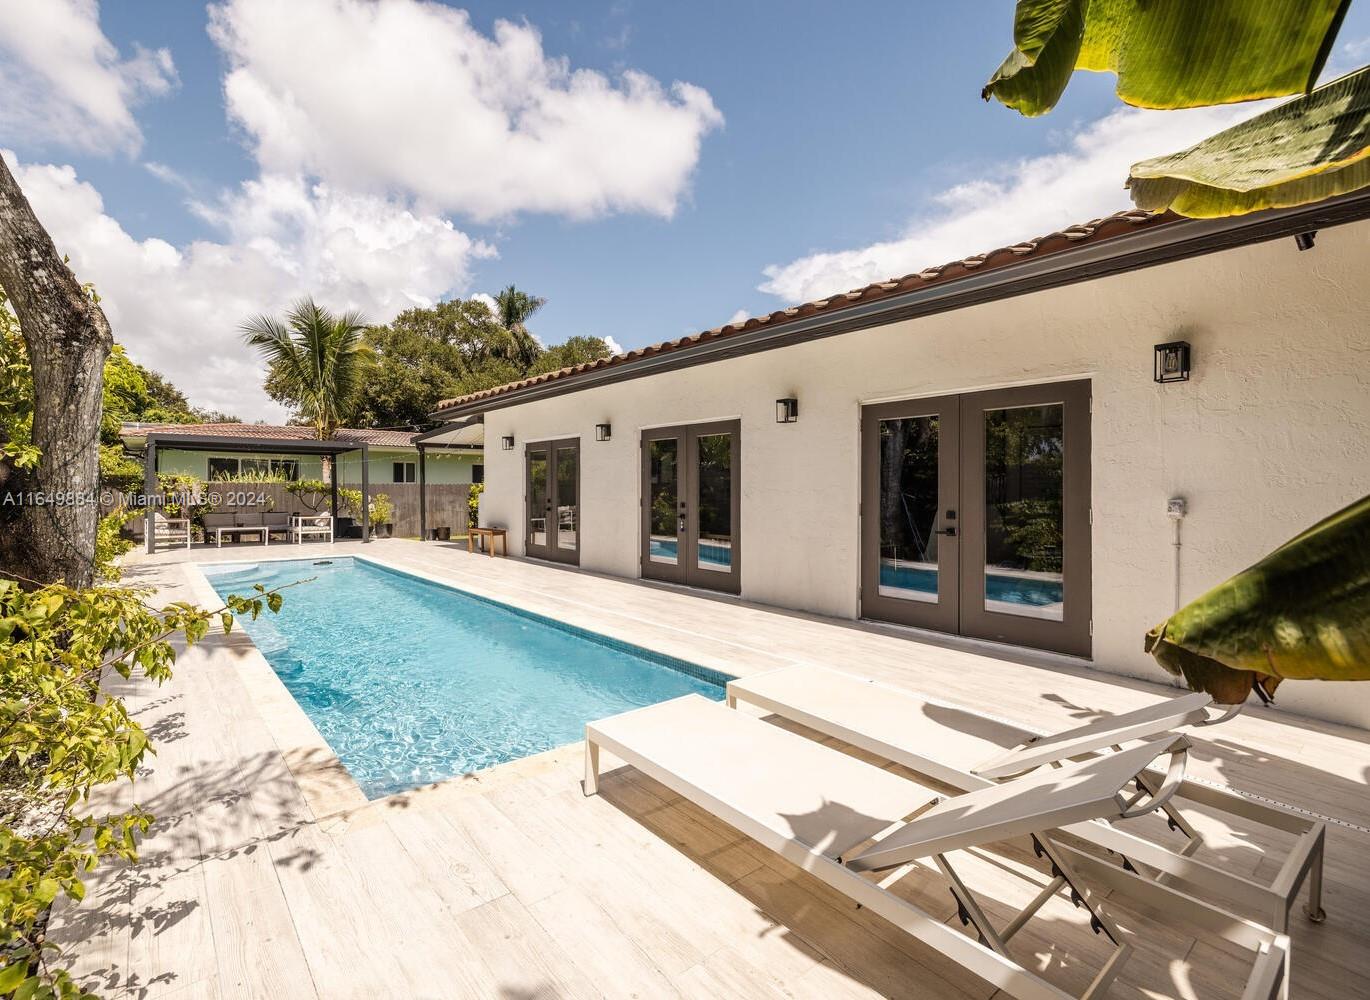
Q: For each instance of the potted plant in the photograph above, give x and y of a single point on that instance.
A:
(382, 513)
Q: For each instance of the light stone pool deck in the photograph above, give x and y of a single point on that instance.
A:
(268, 874)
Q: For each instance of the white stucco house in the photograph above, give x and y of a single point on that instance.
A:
(1049, 445)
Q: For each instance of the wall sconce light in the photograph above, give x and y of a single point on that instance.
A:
(786, 410)
(507, 442)
(1172, 362)
(1304, 241)
(602, 432)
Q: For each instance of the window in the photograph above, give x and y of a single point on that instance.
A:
(231, 468)
(405, 473)
(477, 473)
(222, 468)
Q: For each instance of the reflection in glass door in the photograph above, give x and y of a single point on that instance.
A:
(538, 502)
(552, 491)
(690, 505)
(975, 515)
(1025, 481)
(567, 499)
(909, 502)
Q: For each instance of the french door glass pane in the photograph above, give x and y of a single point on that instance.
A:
(537, 498)
(665, 493)
(908, 508)
(715, 548)
(568, 508)
(1024, 511)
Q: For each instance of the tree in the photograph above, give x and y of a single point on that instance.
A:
(1175, 54)
(317, 362)
(426, 355)
(575, 351)
(421, 357)
(1167, 53)
(67, 338)
(1302, 151)
(1301, 613)
(515, 309)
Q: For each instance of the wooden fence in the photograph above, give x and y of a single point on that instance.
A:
(446, 503)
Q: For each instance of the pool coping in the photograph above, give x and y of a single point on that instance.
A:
(326, 785)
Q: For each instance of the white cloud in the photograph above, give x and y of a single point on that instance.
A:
(177, 309)
(738, 317)
(489, 301)
(167, 175)
(64, 83)
(614, 346)
(408, 96)
(1028, 198)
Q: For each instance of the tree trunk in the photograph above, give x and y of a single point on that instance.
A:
(68, 339)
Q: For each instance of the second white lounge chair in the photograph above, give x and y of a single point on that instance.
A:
(844, 820)
(966, 750)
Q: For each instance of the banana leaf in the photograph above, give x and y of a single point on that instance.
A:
(1167, 53)
(1305, 150)
(1301, 613)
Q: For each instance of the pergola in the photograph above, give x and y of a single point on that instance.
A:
(458, 435)
(274, 446)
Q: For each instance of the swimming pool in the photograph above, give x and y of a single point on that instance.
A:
(411, 682)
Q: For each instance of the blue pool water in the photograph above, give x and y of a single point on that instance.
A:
(1010, 589)
(411, 682)
(715, 555)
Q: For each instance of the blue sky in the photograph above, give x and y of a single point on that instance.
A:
(817, 146)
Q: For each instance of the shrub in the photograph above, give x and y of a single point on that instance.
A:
(473, 504)
(191, 502)
(60, 737)
(110, 544)
(313, 493)
(382, 510)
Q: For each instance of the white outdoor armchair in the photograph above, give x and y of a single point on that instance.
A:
(172, 530)
(312, 526)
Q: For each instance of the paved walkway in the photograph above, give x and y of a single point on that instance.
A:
(269, 875)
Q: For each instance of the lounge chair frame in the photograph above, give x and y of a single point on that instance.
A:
(1270, 904)
(311, 525)
(170, 529)
(987, 957)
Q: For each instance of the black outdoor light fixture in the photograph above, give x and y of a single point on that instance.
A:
(1304, 241)
(786, 410)
(507, 442)
(602, 432)
(1172, 362)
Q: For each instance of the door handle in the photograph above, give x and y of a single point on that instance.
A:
(949, 532)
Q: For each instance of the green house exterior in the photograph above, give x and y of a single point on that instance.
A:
(391, 460)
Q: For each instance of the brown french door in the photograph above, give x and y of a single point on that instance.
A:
(690, 505)
(975, 515)
(552, 500)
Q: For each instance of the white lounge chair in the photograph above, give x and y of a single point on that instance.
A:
(844, 820)
(311, 526)
(966, 750)
(171, 530)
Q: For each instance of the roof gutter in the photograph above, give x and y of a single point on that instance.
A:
(1162, 243)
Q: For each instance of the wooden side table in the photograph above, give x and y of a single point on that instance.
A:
(488, 538)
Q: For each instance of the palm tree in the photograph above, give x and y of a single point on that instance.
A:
(315, 360)
(515, 308)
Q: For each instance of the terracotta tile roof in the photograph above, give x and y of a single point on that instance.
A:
(1089, 232)
(274, 432)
